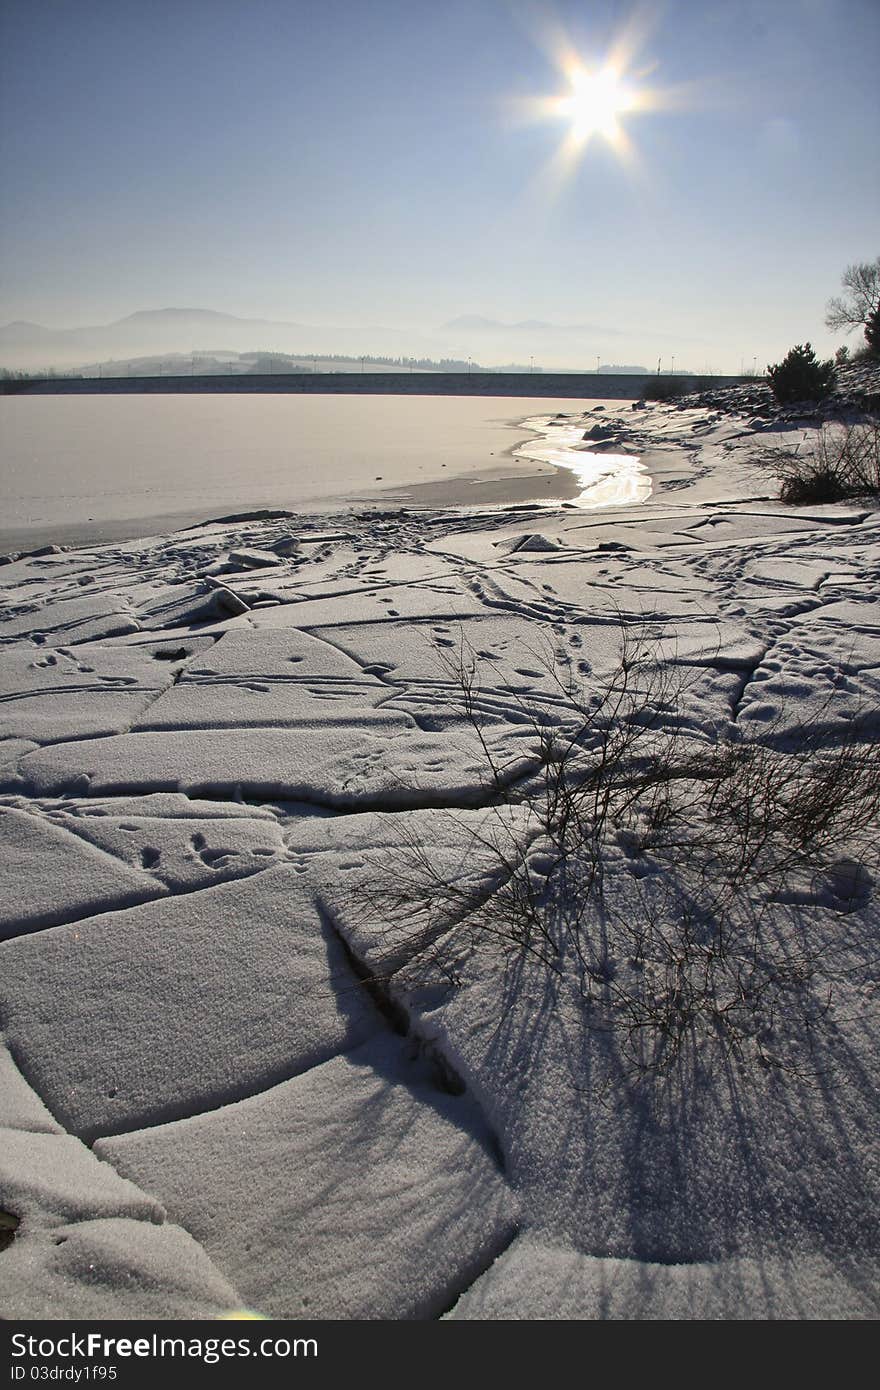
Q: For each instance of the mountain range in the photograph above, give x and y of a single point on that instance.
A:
(31, 346)
(150, 330)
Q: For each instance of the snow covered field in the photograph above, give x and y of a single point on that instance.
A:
(245, 767)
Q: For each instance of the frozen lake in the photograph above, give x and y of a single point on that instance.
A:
(84, 468)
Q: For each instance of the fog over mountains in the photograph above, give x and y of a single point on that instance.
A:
(144, 332)
(491, 342)
(475, 323)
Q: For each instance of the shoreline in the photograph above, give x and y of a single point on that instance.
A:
(526, 476)
(457, 494)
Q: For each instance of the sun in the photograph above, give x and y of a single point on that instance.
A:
(602, 95)
(595, 102)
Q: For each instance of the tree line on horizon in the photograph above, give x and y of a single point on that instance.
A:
(270, 363)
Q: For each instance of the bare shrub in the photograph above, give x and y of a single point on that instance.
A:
(645, 865)
(839, 462)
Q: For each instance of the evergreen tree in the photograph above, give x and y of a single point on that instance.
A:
(800, 376)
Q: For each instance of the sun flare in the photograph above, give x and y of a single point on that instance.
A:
(594, 104)
(601, 98)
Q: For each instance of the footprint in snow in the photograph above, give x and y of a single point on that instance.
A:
(211, 857)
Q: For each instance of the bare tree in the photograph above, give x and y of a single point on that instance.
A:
(862, 285)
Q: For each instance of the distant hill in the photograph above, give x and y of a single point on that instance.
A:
(187, 332)
(190, 331)
(149, 332)
(181, 315)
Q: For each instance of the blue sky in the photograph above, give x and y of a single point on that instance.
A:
(356, 164)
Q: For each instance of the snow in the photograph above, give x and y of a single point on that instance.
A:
(382, 756)
(89, 1244)
(68, 620)
(240, 767)
(533, 1280)
(113, 1268)
(390, 1203)
(754, 1165)
(184, 851)
(21, 1106)
(50, 1178)
(228, 989)
(261, 677)
(46, 877)
(72, 692)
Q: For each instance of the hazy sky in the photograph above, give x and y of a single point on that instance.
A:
(365, 162)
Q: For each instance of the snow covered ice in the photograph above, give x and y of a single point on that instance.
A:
(217, 749)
